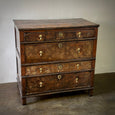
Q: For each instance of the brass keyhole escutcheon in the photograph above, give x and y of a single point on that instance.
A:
(41, 53)
(79, 34)
(41, 83)
(60, 45)
(59, 77)
(40, 36)
(61, 34)
(76, 79)
(88, 34)
(78, 50)
(60, 67)
(77, 66)
(41, 70)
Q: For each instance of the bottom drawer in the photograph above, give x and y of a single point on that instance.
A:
(57, 82)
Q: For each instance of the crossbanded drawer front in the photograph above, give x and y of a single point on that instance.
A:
(45, 52)
(55, 68)
(65, 34)
(57, 82)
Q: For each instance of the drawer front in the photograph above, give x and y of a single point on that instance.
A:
(61, 67)
(57, 51)
(57, 82)
(64, 34)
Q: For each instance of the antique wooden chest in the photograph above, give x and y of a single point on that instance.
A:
(55, 56)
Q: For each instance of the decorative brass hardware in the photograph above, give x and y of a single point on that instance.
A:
(41, 70)
(60, 66)
(77, 66)
(41, 83)
(76, 80)
(40, 36)
(60, 45)
(79, 34)
(59, 77)
(88, 34)
(78, 50)
(41, 53)
(60, 34)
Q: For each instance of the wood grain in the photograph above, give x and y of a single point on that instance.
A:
(53, 23)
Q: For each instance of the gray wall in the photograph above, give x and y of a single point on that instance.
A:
(99, 11)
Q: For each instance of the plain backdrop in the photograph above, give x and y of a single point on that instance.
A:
(99, 11)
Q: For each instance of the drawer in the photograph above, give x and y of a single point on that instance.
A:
(55, 68)
(45, 52)
(65, 34)
(57, 82)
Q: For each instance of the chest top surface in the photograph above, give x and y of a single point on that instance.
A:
(53, 23)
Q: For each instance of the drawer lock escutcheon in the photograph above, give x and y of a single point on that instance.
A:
(60, 34)
(60, 66)
(59, 77)
(41, 83)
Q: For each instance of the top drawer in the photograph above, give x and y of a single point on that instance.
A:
(58, 34)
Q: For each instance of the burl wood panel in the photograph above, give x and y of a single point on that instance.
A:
(51, 83)
(57, 51)
(60, 67)
(58, 34)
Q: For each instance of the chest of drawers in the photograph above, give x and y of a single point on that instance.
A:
(55, 56)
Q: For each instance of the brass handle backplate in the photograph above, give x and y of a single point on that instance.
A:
(60, 45)
(59, 77)
(77, 66)
(41, 70)
(41, 83)
(79, 34)
(78, 50)
(41, 53)
(40, 36)
(76, 79)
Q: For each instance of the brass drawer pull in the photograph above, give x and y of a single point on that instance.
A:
(78, 50)
(41, 70)
(77, 66)
(41, 53)
(59, 77)
(41, 83)
(40, 36)
(76, 79)
(60, 45)
(79, 34)
(60, 66)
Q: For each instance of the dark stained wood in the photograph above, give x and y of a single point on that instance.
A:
(54, 23)
(55, 56)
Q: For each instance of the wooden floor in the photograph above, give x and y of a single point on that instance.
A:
(75, 103)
